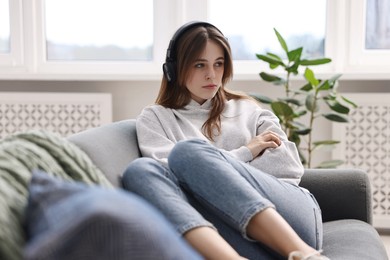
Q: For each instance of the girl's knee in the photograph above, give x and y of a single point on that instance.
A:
(140, 165)
(190, 144)
(187, 149)
(137, 169)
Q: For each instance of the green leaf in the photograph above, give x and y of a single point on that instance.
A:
(336, 118)
(349, 102)
(307, 87)
(326, 142)
(276, 57)
(282, 110)
(324, 85)
(304, 131)
(281, 41)
(311, 103)
(315, 62)
(299, 128)
(270, 60)
(300, 113)
(337, 107)
(295, 138)
(309, 76)
(293, 68)
(292, 101)
(332, 96)
(270, 77)
(262, 99)
(330, 164)
(295, 55)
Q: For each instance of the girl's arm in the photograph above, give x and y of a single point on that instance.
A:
(282, 160)
(153, 140)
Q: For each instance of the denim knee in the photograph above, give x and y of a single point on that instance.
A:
(187, 150)
(139, 165)
(137, 170)
(147, 177)
(186, 145)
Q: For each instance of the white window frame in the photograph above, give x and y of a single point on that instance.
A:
(14, 59)
(360, 60)
(27, 59)
(108, 69)
(250, 69)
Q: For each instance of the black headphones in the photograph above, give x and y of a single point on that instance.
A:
(169, 67)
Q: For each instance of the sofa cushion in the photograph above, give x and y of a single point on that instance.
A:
(19, 155)
(351, 239)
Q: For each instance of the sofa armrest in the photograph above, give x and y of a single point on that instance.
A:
(341, 193)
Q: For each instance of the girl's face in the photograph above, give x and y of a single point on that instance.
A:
(206, 73)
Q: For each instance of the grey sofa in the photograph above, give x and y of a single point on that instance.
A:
(344, 195)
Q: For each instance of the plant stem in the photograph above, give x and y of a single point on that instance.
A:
(311, 122)
(287, 129)
(287, 85)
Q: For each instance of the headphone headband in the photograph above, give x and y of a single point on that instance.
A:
(169, 67)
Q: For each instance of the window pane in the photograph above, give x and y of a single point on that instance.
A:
(248, 24)
(99, 29)
(4, 27)
(378, 24)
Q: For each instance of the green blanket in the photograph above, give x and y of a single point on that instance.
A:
(19, 155)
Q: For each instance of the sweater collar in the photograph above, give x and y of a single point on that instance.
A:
(195, 105)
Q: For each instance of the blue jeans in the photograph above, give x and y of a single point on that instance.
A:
(204, 185)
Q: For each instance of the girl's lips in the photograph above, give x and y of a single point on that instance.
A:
(210, 86)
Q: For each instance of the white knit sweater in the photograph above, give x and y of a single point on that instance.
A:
(160, 128)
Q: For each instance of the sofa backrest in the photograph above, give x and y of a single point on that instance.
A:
(111, 147)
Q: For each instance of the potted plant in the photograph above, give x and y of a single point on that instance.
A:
(301, 106)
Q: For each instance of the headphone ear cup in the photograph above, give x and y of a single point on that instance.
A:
(169, 69)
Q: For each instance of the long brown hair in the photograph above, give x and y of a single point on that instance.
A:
(175, 94)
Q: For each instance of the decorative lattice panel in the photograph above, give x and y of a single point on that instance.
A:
(365, 144)
(63, 113)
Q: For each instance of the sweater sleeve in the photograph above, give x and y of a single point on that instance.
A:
(242, 153)
(152, 138)
(282, 162)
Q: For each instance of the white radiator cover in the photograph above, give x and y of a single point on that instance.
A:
(63, 113)
(365, 144)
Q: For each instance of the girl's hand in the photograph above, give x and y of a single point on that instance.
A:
(263, 141)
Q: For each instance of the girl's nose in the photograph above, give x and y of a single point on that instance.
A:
(210, 73)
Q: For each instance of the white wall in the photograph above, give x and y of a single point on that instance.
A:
(128, 98)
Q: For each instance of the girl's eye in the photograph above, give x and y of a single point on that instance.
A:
(219, 64)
